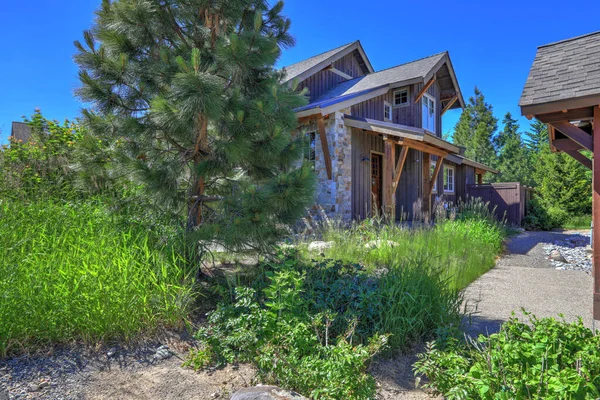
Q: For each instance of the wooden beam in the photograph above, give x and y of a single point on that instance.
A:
(450, 103)
(436, 172)
(424, 90)
(388, 178)
(583, 160)
(596, 215)
(480, 179)
(426, 174)
(400, 166)
(424, 148)
(570, 115)
(339, 73)
(566, 145)
(325, 146)
(575, 134)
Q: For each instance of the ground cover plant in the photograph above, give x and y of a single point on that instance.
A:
(79, 271)
(544, 358)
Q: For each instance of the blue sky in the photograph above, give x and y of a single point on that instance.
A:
(491, 43)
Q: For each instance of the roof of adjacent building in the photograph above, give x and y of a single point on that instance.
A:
(564, 70)
(20, 131)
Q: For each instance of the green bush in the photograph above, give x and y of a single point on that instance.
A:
(537, 217)
(74, 271)
(544, 358)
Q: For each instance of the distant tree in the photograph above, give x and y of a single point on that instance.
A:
(189, 91)
(512, 155)
(475, 130)
(537, 137)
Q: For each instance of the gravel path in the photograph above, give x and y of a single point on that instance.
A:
(525, 277)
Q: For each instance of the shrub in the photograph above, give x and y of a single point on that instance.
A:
(72, 271)
(537, 217)
(543, 359)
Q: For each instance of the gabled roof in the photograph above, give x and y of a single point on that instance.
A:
(377, 83)
(564, 70)
(303, 69)
(20, 131)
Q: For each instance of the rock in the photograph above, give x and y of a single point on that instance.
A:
(320, 246)
(36, 387)
(162, 353)
(110, 353)
(375, 244)
(266, 393)
(556, 256)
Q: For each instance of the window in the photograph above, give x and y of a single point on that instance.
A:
(387, 111)
(428, 112)
(401, 97)
(434, 189)
(448, 179)
(309, 153)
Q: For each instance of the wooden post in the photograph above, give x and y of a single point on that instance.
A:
(325, 146)
(426, 172)
(596, 213)
(480, 179)
(388, 177)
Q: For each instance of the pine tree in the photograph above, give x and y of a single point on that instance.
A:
(537, 137)
(188, 93)
(475, 130)
(512, 154)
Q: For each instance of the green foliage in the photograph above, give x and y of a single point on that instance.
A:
(513, 158)
(544, 358)
(188, 96)
(577, 222)
(75, 271)
(278, 330)
(536, 139)
(40, 166)
(537, 217)
(475, 130)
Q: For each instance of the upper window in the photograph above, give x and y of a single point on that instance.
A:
(310, 153)
(387, 111)
(428, 107)
(401, 97)
(448, 179)
(434, 189)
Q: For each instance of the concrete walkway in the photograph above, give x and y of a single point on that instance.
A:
(525, 278)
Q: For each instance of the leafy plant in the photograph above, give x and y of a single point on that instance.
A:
(544, 358)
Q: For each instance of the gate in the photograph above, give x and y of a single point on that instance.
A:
(508, 200)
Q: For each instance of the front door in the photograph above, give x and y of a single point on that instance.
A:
(376, 182)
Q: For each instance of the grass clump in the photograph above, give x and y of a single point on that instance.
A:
(72, 271)
(542, 359)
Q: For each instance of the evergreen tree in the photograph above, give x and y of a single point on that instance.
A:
(512, 155)
(475, 130)
(187, 92)
(537, 137)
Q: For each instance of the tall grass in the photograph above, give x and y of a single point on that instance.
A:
(577, 222)
(76, 271)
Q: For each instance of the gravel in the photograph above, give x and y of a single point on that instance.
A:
(572, 253)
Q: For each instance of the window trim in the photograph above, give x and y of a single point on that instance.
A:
(432, 99)
(432, 168)
(450, 167)
(404, 89)
(391, 116)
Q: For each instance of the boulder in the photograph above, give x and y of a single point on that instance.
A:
(320, 246)
(266, 393)
(379, 243)
(556, 256)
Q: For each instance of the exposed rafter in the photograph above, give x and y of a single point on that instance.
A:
(575, 134)
(424, 90)
(400, 165)
(338, 72)
(450, 103)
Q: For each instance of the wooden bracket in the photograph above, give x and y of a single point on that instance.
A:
(575, 134)
(450, 103)
(388, 177)
(583, 160)
(424, 90)
(338, 72)
(325, 146)
(436, 172)
(425, 148)
(400, 165)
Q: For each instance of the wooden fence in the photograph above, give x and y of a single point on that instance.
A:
(508, 200)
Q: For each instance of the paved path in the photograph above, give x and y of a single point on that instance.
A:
(525, 278)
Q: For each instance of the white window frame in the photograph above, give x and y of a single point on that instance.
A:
(407, 90)
(450, 168)
(432, 169)
(430, 101)
(390, 115)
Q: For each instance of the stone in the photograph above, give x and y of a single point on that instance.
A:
(266, 393)
(373, 244)
(162, 353)
(556, 256)
(320, 246)
(110, 353)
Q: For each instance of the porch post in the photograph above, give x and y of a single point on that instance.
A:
(389, 205)
(426, 172)
(480, 179)
(596, 212)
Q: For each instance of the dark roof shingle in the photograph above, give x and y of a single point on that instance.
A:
(292, 71)
(564, 70)
(20, 131)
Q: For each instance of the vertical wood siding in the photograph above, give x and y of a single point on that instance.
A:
(362, 145)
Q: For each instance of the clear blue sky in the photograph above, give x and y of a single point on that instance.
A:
(491, 43)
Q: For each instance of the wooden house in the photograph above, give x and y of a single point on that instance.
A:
(376, 136)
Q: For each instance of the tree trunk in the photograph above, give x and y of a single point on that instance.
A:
(195, 216)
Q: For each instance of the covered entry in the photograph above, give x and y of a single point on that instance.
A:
(563, 91)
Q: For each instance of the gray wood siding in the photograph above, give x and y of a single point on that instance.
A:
(323, 81)
(362, 145)
(410, 186)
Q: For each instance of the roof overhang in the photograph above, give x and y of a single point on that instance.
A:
(459, 160)
(338, 103)
(530, 110)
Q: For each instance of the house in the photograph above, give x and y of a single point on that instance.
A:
(563, 91)
(20, 132)
(376, 136)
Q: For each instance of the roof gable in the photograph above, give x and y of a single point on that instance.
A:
(564, 70)
(305, 68)
(20, 131)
